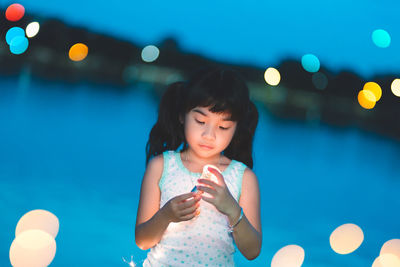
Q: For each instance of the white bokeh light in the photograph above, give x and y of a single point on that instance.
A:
(272, 76)
(396, 87)
(150, 53)
(32, 29)
(38, 219)
(346, 238)
(288, 256)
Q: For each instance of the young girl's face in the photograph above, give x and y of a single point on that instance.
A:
(208, 133)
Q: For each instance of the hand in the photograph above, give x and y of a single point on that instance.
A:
(183, 207)
(221, 197)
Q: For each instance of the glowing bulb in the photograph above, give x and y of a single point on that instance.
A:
(310, 63)
(32, 248)
(381, 38)
(78, 52)
(288, 256)
(32, 29)
(346, 238)
(373, 88)
(272, 76)
(396, 87)
(150, 53)
(15, 12)
(38, 219)
(386, 260)
(366, 99)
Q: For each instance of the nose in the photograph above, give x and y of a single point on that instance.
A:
(209, 133)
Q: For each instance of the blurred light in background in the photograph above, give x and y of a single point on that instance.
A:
(272, 76)
(366, 99)
(15, 12)
(38, 219)
(386, 260)
(373, 88)
(288, 256)
(381, 38)
(150, 53)
(19, 45)
(32, 29)
(32, 248)
(310, 63)
(391, 247)
(78, 52)
(346, 238)
(396, 87)
(14, 32)
(320, 80)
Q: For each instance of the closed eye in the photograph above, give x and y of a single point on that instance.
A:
(223, 128)
(199, 122)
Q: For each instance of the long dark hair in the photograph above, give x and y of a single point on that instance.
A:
(223, 91)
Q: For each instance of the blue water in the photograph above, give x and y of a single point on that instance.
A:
(78, 151)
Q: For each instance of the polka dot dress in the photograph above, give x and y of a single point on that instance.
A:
(203, 240)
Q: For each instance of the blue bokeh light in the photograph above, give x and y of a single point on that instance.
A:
(14, 32)
(381, 38)
(19, 45)
(310, 63)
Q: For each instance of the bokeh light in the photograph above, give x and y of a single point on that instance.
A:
(386, 260)
(32, 248)
(150, 53)
(320, 80)
(272, 76)
(14, 32)
(38, 219)
(381, 38)
(15, 12)
(19, 45)
(310, 63)
(373, 88)
(78, 52)
(288, 256)
(346, 238)
(395, 87)
(366, 99)
(391, 247)
(32, 29)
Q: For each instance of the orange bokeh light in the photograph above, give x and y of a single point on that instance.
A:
(373, 88)
(78, 52)
(15, 12)
(366, 99)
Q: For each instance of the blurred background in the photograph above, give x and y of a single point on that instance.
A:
(79, 91)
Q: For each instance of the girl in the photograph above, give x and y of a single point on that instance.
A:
(213, 121)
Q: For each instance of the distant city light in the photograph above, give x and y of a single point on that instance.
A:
(346, 238)
(32, 29)
(373, 88)
(272, 76)
(19, 45)
(310, 63)
(381, 38)
(14, 32)
(320, 80)
(366, 99)
(288, 256)
(32, 248)
(15, 12)
(396, 87)
(386, 260)
(150, 53)
(78, 52)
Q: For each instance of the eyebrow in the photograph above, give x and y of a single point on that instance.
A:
(202, 113)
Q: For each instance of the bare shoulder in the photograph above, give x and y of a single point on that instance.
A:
(155, 168)
(249, 178)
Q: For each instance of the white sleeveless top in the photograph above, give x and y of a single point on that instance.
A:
(203, 240)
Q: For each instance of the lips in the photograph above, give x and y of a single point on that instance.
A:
(206, 146)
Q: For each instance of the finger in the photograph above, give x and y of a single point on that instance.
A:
(208, 199)
(207, 189)
(189, 202)
(187, 211)
(208, 182)
(188, 217)
(185, 196)
(219, 176)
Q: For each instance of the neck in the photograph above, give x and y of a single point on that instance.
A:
(190, 156)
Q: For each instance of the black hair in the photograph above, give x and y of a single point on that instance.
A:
(224, 91)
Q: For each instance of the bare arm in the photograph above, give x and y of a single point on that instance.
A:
(247, 233)
(151, 221)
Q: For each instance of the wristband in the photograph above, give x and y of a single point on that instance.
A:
(234, 225)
